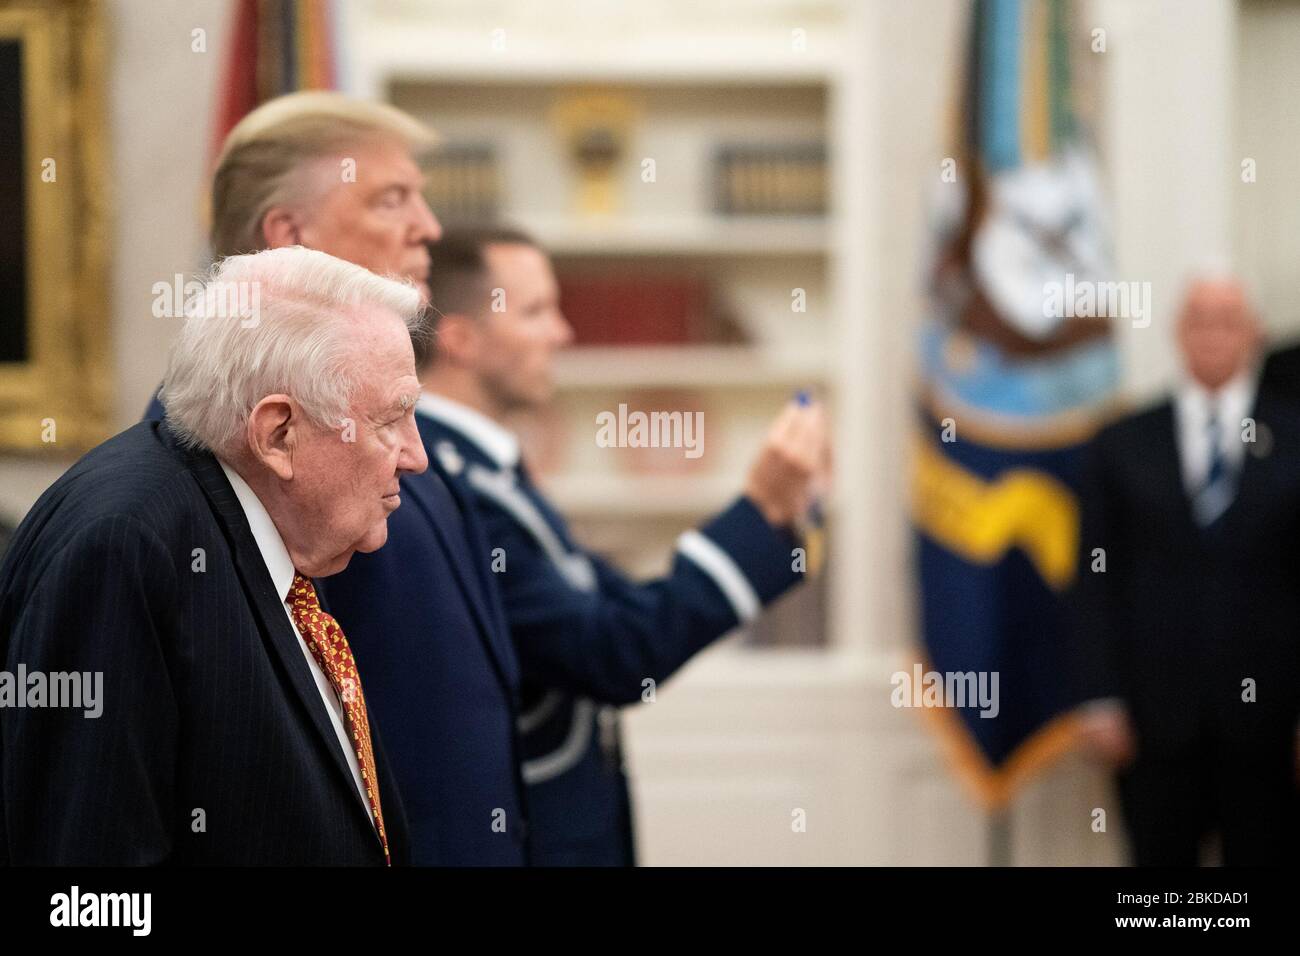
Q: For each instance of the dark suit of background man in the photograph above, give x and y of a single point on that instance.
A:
(586, 636)
(277, 183)
(1190, 639)
(1281, 372)
(176, 560)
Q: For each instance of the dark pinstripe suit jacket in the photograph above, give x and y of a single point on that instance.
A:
(213, 746)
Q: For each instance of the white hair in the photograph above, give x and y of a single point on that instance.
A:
(272, 322)
(1219, 270)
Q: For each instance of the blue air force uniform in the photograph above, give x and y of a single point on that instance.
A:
(587, 638)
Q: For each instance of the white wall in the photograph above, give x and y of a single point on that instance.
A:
(1267, 220)
(162, 98)
(1170, 157)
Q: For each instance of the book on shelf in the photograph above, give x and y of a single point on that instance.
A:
(462, 184)
(770, 180)
(623, 307)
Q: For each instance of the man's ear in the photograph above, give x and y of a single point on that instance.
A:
(272, 434)
(457, 339)
(280, 228)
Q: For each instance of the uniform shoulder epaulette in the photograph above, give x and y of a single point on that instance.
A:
(451, 459)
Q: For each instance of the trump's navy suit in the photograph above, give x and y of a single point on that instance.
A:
(441, 677)
(155, 412)
(214, 745)
(587, 636)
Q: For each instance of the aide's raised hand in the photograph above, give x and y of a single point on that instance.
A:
(793, 462)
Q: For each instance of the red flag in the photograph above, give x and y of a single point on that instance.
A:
(275, 47)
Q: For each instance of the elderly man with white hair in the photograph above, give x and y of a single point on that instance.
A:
(342, 175)
(209, 710)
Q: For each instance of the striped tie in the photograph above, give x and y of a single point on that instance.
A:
(1216, 494)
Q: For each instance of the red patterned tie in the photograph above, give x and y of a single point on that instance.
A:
(325, 640)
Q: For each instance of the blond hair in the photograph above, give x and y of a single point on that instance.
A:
(264, 159)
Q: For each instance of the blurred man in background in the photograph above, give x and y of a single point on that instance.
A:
(173, 564)
(1188, 600)
(586, 635)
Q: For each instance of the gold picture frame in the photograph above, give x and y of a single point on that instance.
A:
(54, 303)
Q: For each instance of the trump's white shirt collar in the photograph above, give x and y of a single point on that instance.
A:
(497, 442)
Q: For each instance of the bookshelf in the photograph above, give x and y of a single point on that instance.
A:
(664, 234)
(685, 104)
(698, 236)
(689, 366)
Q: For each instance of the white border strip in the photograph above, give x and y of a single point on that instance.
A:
(569, 753)
(717, 564)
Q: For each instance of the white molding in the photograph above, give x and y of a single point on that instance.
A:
(1169, 80)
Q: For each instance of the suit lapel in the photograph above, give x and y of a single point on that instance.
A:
(1253, 473)
(395, 822)
(1255, 462)
(1166, 458)
(437, 501)
(491, 604)
(268, 608)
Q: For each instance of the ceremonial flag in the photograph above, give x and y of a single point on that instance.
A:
(1015, 379)
(275, 47)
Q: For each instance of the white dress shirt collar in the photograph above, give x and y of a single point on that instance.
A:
(1192, 406)
(274, 553)
(496, 441)
(1233, 401)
